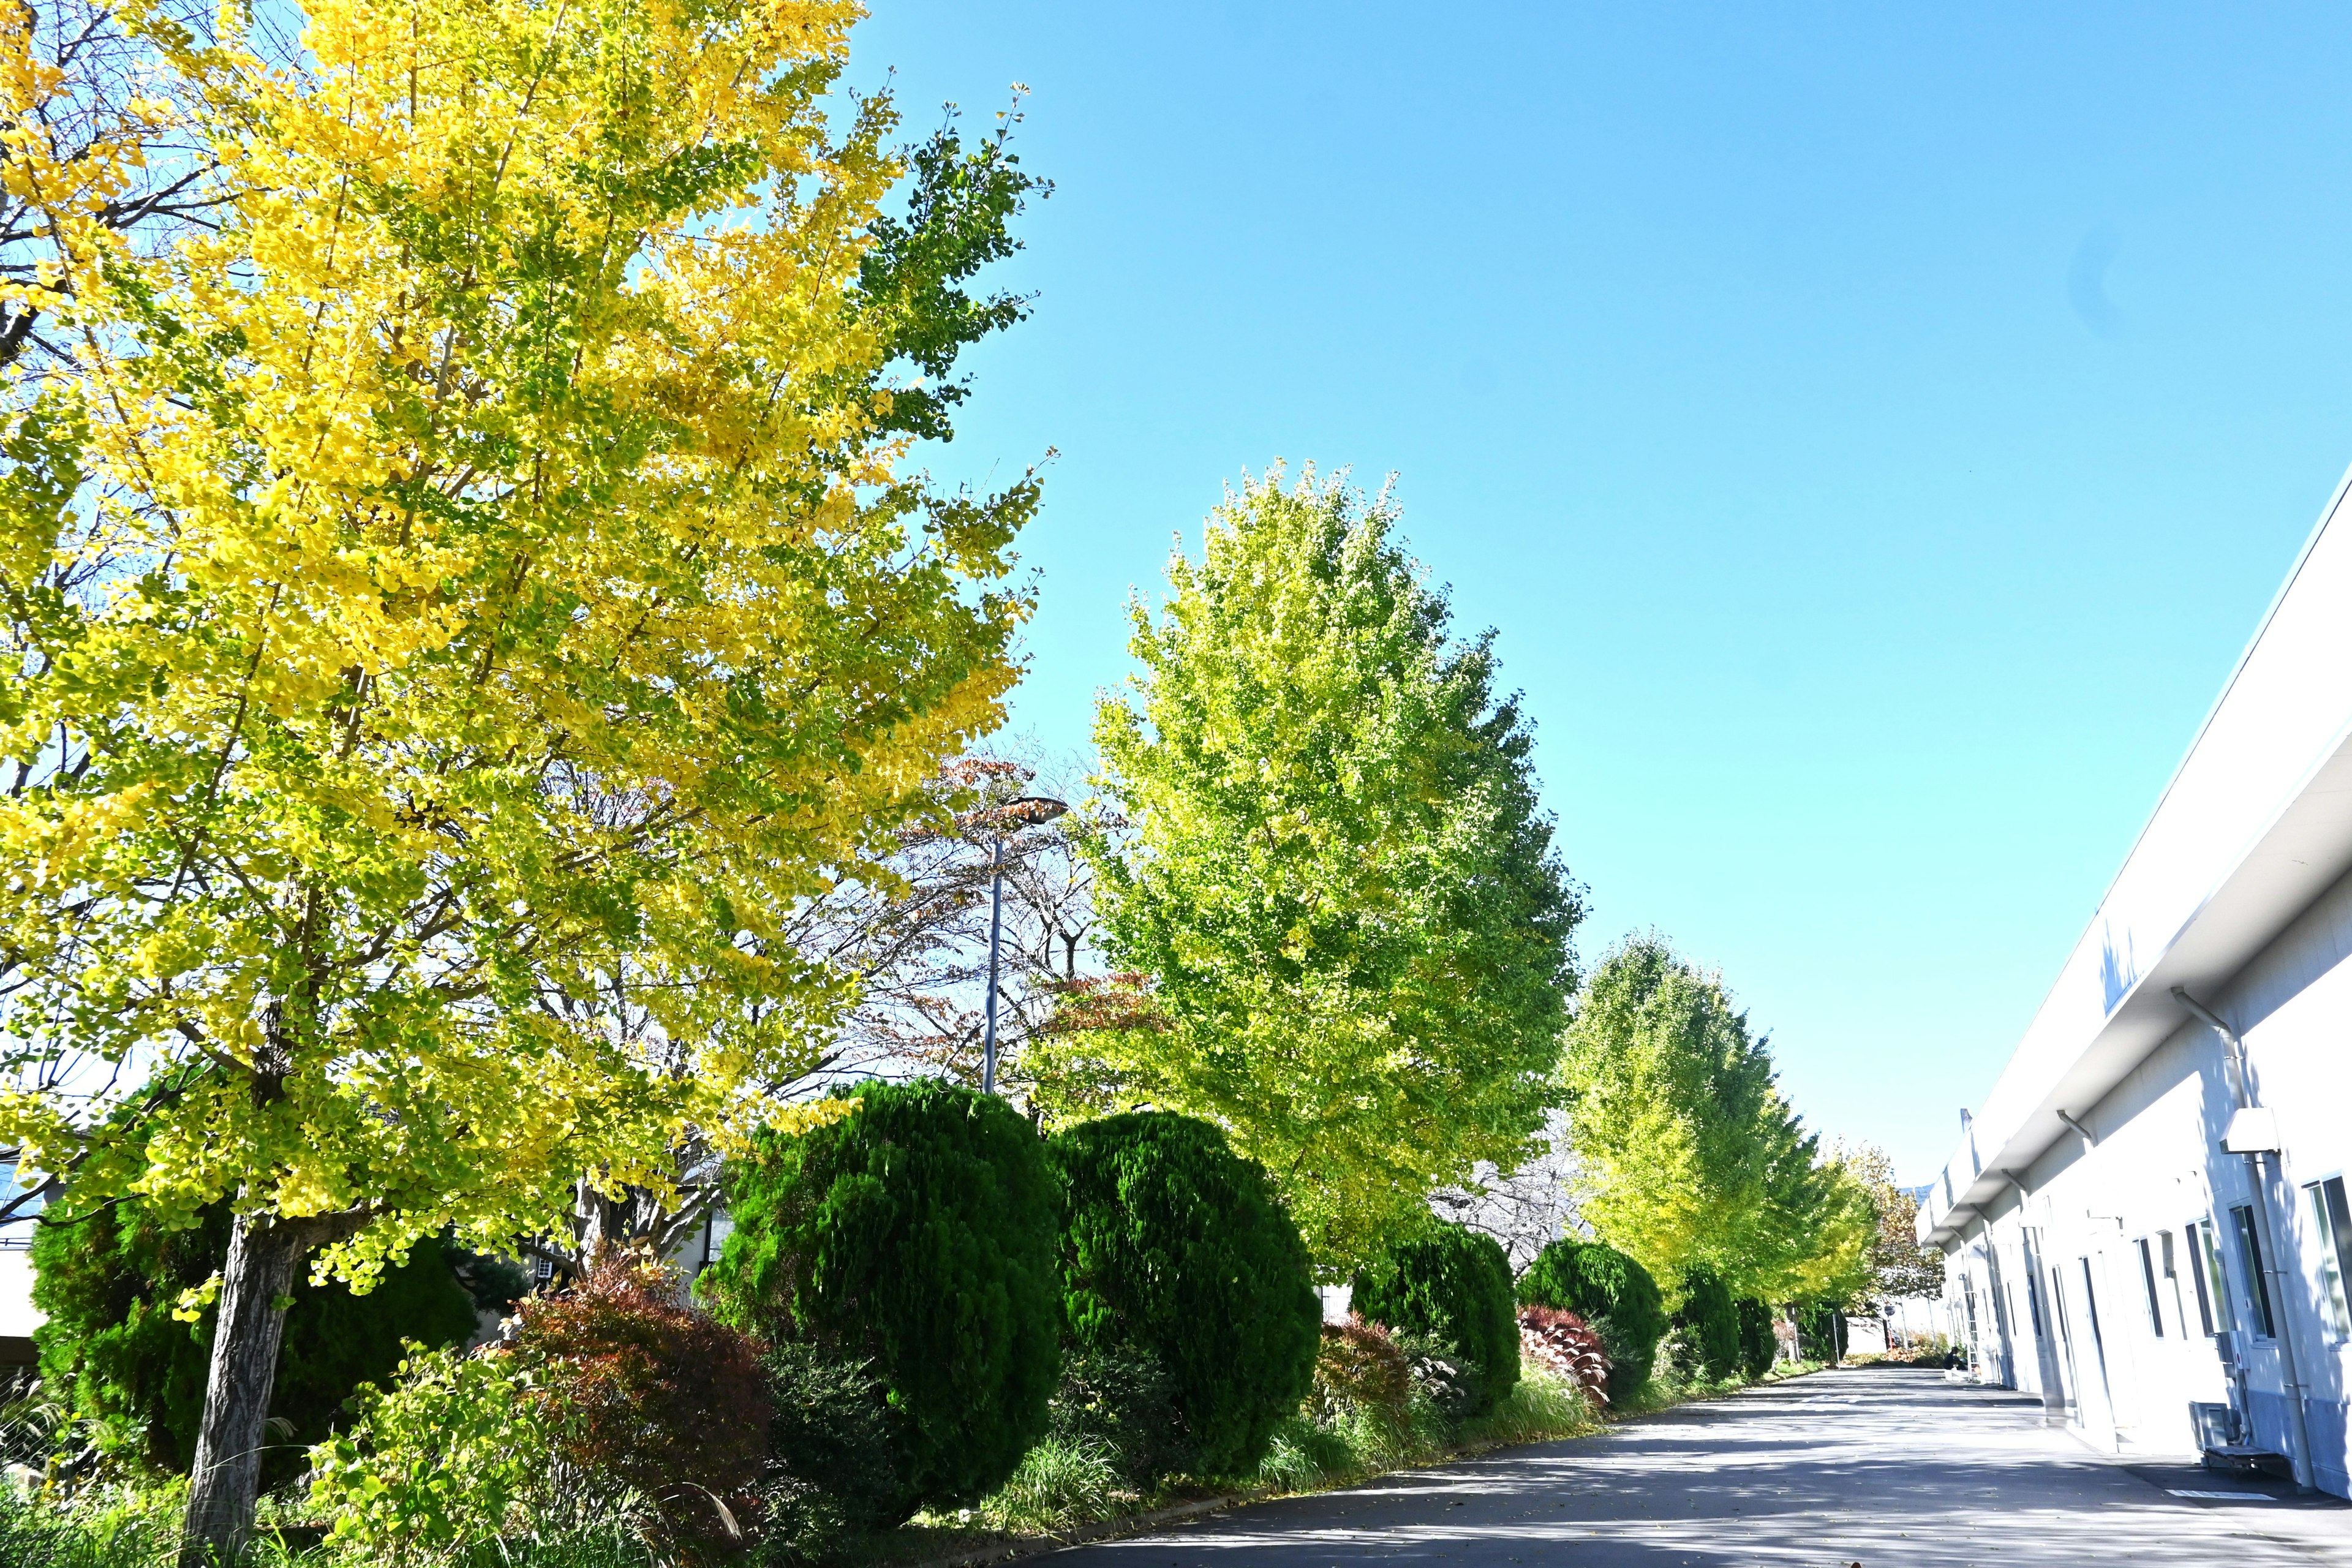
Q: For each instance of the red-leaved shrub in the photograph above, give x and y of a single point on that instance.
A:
(1362, 1367)
(1564, 1344)
(644, 1393)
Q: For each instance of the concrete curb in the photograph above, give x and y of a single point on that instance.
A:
(1087, 1535)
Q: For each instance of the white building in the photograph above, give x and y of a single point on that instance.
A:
(2147, 1223)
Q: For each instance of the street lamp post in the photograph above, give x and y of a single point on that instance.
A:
(1028, 811)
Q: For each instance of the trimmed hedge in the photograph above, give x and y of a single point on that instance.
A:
(1759, 1346)
(915, 1238)
(1611, 1292)
(111, 1350)
(1710, 1324)
(1453, 1285)
(1175, 1250)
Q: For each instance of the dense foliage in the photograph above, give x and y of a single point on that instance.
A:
(1453, 1284)
(1361, 1370)
(460, 598)
(832, 1471)
(1894, 1265)
(1758, 1345)
(1334, 880)
(1613, 1293)
(1691, 1156)
(452, 1454)
(916, 1238)
(642, 1394)
(1175, 1250)
(1821, 1331)
(1709, 1324)
(114, 1353)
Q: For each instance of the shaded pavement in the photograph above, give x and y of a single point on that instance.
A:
(1884, 1468)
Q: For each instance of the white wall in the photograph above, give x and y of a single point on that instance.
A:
(2126, 1381)
(17, 1318)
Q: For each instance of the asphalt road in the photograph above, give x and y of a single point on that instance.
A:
(1885, 1468)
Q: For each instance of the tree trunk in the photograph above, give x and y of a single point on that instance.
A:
(254, 1284)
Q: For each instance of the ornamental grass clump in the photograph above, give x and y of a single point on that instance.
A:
(1187, 1296)
(913, 1240)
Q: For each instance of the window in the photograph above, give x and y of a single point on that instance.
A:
(2249, 1257)
(2333, 1224)
(2148, 1273)
(2171, 1265)
(2213, 1284)
(2034, 1305)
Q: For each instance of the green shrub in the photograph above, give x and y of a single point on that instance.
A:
(1759, 1346)
(1122, 1399)
(455, 1454)
(1821, 1332)
(1710, 1322)
(1453, 1285)
(114, 1354)
(1542, 1406)
(832, 1471)
(1175, 1252)
(914, 1238)
(1611, 1292)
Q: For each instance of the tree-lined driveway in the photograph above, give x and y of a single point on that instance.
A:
(1885, 1468)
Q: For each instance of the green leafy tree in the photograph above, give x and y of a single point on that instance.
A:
(1335, 888)
(457, 599)
(1897, 1265)
(1450, 1284)
(114, 1347)
(1690, 1156)
(1176, 1249)
(915, 1238)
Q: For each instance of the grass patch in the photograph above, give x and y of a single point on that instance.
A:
(1539, 1408)
(1061, 1484)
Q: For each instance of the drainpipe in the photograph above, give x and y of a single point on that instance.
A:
(2283, 1304)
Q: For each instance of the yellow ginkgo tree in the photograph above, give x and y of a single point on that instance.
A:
(457, 600)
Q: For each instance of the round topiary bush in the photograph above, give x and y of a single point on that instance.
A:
(1611, 1292)
(1455, 1285)
(1759, 1346)
(1175, 1249)
(915, 1238)
(1709, 1322)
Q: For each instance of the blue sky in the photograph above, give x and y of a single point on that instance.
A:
(1874, 431)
